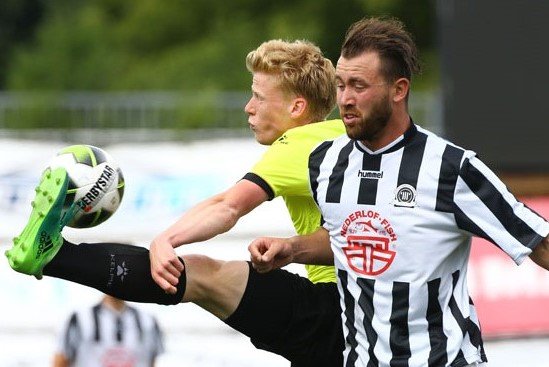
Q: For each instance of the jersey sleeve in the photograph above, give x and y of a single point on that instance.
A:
(283, 167)
(485, 208)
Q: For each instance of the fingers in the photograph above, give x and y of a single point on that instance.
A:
(166, 267)
(256, 249)
(260, 256)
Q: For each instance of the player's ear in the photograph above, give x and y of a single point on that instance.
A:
(298, 107)
(401, 88)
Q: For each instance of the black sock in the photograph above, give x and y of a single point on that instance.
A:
(123, 271)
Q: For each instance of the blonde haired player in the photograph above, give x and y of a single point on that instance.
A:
(293, 89)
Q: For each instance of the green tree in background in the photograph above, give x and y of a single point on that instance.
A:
(18, 21)
(182, 44)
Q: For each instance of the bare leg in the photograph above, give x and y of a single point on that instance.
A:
(215, 285)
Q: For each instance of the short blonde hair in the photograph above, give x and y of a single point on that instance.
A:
(301, 69)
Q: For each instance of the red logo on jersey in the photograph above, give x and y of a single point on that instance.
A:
(368, 255)
(369, 236)
(118, 357)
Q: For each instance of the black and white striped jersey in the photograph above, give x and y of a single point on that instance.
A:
(400, 221)
(99, 336)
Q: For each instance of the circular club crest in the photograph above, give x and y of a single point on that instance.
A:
(405, 195)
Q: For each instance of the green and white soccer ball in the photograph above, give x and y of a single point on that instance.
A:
(95, 188)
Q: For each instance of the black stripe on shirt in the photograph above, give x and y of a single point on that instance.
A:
(259, 181)
(315, 160)
(467, 224)
(366, 303)
(368, 186)
(349, 313)
(438, 355)
(474, 333)
(493, 199)
(466, 325)
(97, 327)
(460, 320)
(73, 337)
(400, 335)
(412, 157)
(454, 308)
(449, 171)
(335, 183)
(119, 329)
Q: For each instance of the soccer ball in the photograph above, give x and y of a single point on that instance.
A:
(95, 188)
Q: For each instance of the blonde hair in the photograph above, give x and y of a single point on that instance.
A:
(301, 69)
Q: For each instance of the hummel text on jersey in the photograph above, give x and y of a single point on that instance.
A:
(376, 175)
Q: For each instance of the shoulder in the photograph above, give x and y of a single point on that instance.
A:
(446, 148)
(321, 130)
(304, 138)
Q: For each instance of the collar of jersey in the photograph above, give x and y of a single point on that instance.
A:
(393, 146)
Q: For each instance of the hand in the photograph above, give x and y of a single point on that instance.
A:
(268, 253)
(166, 268)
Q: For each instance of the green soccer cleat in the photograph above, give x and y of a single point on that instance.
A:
(41, 238)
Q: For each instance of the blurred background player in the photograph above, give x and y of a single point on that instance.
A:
(109, 334)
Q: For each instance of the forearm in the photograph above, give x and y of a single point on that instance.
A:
(203, 222)
(215, 215)
(540, 255)
(312, 249)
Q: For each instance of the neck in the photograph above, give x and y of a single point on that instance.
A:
(396, 126)
(114, 303)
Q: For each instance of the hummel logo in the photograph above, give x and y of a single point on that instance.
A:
(45, 244)
(375, 175)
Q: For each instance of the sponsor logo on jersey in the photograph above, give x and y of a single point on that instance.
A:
(376, 175)
(405, 195)
(369, 237)
(118, 357)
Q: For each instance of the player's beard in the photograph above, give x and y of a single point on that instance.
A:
(371, 126)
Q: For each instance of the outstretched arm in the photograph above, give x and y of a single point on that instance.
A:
(540, 255)
(211, 217)
(268, 253)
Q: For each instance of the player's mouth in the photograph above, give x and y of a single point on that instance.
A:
(350, 118)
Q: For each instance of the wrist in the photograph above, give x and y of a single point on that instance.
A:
(167, 238)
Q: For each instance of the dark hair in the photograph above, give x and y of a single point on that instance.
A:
(389, 38)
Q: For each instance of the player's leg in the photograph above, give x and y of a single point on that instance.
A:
(116, 269)
(281, 312)
(123, 271)
(120, 270)
(289, 315)
(215, 285)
